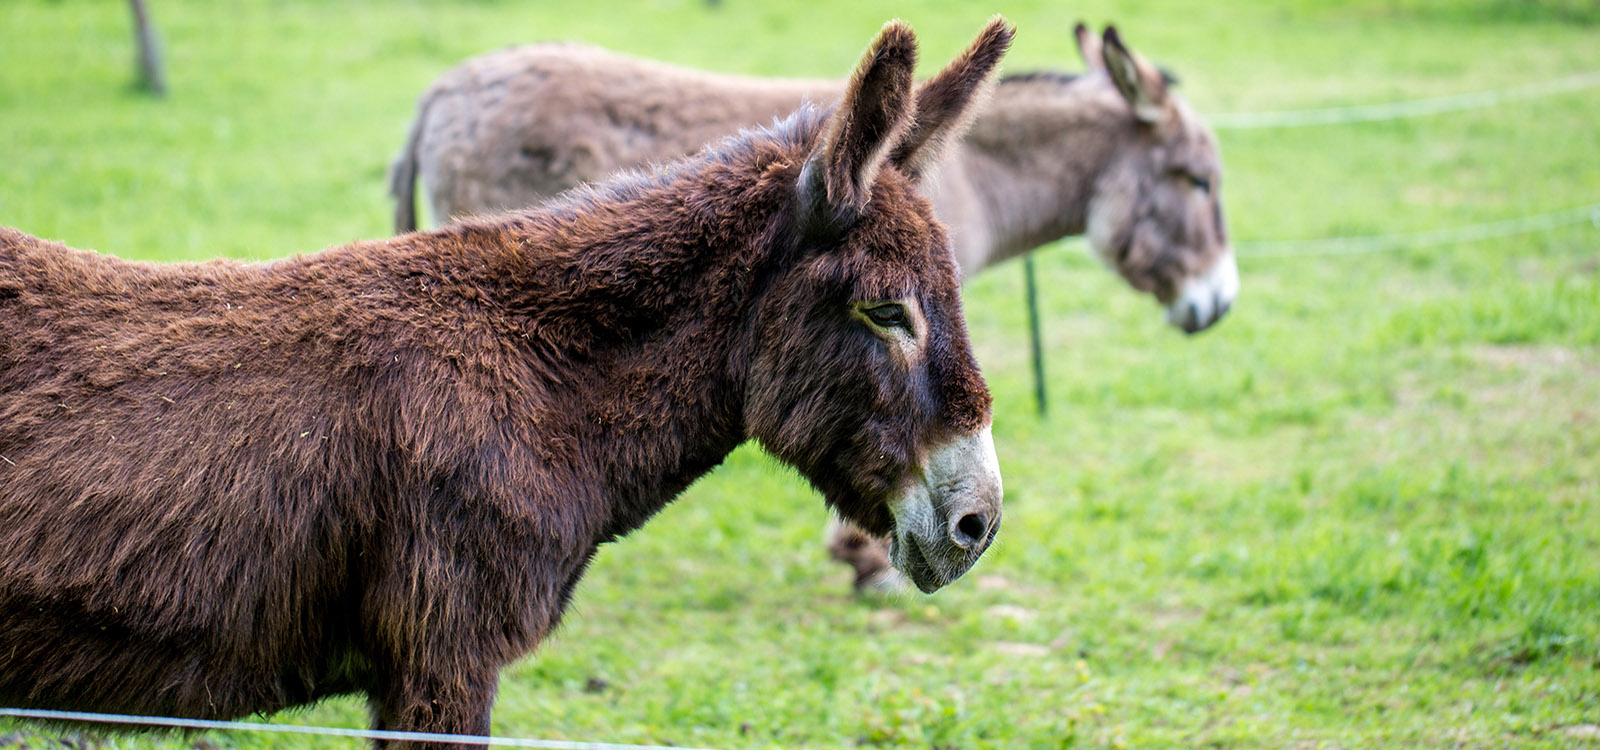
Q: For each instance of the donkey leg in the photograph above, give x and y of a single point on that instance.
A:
(438, 702)
(867, 554)
(438, 672)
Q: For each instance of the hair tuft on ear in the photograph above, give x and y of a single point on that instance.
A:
(876, 110)
(947, 102)
(1139, 82)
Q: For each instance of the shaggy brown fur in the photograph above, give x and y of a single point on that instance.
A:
(381, 468)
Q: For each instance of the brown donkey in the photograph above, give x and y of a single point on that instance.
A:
(381, 469)
(1115, 153)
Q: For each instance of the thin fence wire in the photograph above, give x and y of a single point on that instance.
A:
(167, 722)
(1295, 118)
(1377, 243)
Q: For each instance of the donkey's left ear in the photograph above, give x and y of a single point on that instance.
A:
(873, 116)
(1139, 82)
(1089, 48)
(947, 102)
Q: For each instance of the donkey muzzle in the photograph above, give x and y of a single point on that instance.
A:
(1204, 299)
(945, 521)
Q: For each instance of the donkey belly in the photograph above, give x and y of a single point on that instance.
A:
(180, 608)
(56, 654)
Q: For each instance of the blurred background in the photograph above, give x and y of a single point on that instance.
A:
(1361, 511)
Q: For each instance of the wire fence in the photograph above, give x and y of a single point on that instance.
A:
(1296, 118)
(166, 722)
(1377, 243)
(1405, 109)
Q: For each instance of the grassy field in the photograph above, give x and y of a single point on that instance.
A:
(1363, 512)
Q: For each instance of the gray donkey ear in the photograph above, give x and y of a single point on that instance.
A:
(947, 102)
(1136, 79)
(874, 115)
(1089, 48)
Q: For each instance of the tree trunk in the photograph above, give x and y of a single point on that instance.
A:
(151, 77)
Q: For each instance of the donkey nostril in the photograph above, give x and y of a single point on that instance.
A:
(1191, 317)
(970, 529)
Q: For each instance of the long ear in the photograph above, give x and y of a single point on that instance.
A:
(876, 111)
(1139, 82)
(1089, 48)
(947, 102)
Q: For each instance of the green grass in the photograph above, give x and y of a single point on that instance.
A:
(1360, 513)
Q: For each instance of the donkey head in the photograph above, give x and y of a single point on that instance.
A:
(862, 376)
(1156, 215)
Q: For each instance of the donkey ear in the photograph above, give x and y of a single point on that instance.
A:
(873, 116)
(947, 103)
(1089, 48)
(1139, 82)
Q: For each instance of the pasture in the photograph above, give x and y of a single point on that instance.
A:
(1361, 511)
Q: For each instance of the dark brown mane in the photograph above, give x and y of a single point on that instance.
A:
(577, 264)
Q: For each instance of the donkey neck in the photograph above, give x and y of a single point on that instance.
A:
(1027, 171)
(631, 300)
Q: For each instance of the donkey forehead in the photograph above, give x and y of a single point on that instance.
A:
(1188, 142)
(895, 248)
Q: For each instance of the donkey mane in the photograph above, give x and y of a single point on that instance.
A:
(1065, 78)
(1039, 76)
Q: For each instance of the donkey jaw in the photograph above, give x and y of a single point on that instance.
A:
(1204, 299)
(946, 519)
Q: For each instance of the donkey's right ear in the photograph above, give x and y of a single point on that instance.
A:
(947, 102)
(874, 115)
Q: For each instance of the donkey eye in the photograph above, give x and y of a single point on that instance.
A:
(892, 315)
(1201, 183)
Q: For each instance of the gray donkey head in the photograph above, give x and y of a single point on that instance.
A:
(1156, 213)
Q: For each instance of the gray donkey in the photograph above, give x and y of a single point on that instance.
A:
(1114, 153)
